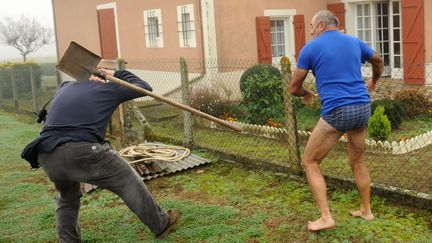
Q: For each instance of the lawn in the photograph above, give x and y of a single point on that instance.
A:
(220, 202)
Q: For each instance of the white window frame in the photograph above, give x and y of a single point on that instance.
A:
(351, 6)
(186, 30)
(396, 72)
(153, 41)
(287, 15)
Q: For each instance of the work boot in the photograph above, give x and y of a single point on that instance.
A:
(174, 218)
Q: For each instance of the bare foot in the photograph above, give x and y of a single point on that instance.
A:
(321, 224)
(365, 215)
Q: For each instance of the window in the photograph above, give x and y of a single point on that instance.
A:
(153, 28)
(397, 34)
(277, 31)
(382, 31)
(186, 26)
(282, 33)
(378, 24)
(364, 26)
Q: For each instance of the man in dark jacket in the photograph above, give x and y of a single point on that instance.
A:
(70, 149)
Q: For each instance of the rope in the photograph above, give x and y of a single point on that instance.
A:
(148, 152)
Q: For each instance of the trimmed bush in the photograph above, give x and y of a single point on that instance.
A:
(262, 90)
(392, 109)
(414, 102)
(379, 127)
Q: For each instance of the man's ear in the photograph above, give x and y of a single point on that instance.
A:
(321, 25)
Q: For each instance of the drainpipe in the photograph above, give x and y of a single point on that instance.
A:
(59, 76)
(208, 25)
(209, 47)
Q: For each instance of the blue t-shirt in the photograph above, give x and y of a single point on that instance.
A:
(335, 60)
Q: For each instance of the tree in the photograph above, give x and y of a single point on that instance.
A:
(24, 34)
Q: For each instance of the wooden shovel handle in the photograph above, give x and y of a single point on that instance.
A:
(173, 103)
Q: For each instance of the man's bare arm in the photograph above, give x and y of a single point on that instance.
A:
(377, 69)
(296, 84)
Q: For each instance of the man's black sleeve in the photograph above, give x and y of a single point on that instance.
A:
(132, 78)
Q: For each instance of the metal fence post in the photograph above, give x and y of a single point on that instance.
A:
(187, 123)
(14, 91)
(291, 123)
(34, 91)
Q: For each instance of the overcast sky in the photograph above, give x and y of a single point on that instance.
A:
(39, 9)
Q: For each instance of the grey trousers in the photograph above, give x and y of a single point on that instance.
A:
(72, 163)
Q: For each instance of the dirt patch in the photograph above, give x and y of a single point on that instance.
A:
(273, 223)
(36, 179)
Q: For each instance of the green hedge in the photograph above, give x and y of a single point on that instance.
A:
(21, 72)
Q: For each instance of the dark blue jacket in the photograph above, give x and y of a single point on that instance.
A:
(80, 111)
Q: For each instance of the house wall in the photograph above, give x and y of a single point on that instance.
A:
(235, 23)
(77, 20)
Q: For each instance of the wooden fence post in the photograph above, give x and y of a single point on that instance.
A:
(291, 123)
(1, 91)
(121, 65)
(14, 91)
(187, 116)
(34, 91)
(115, 126)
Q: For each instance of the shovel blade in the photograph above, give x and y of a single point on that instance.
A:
(78, 62)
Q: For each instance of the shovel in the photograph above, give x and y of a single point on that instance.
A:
(81, 63)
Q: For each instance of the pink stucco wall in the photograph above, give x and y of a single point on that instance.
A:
(77, 20)
(235, 23)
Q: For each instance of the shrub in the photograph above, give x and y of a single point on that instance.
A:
(21, 73)
(262, 90)
(414, 102)
(379, 125)
(392, 109)
(209, 101)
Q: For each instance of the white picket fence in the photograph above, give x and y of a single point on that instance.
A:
(386, 147)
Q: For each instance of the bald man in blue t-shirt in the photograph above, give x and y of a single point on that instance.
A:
(335, 60)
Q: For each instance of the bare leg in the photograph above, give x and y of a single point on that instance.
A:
(356, 148)
(322, 140)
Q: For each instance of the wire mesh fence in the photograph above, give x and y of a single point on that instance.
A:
(276, 126)
(398, 150)
(26, 87)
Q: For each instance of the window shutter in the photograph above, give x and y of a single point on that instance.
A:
(339, 10)
(107, 33)
(413, 41)
(263, 39)
(299, 33)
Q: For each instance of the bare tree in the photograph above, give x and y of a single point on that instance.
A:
(24, 34)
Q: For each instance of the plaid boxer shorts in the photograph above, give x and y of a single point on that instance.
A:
(349, 117)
